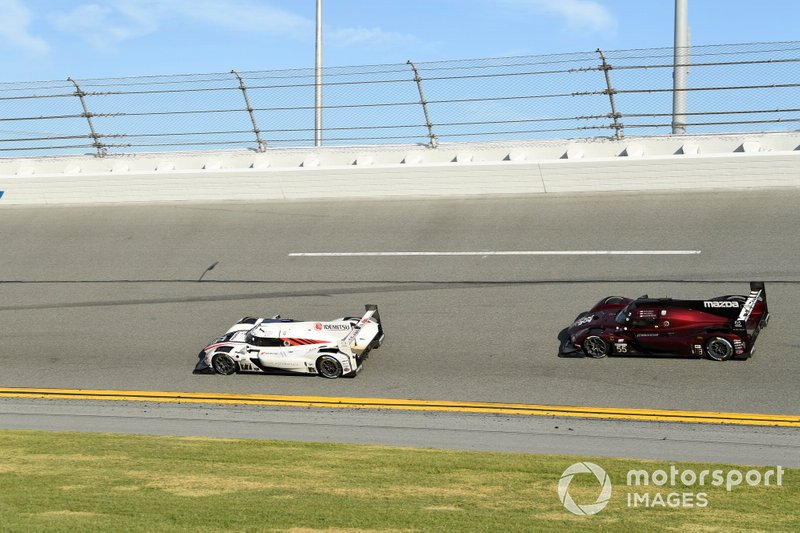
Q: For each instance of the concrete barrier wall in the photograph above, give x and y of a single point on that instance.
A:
(468, 169)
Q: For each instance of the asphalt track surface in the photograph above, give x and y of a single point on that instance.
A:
(763, 446)
(108, 297)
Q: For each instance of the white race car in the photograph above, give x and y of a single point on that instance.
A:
(279, 345)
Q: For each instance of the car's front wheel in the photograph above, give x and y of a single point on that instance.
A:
(223, 364)
(595, 346)
(719, 348)
(329, 367)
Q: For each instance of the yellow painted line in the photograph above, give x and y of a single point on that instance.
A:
(747, 419)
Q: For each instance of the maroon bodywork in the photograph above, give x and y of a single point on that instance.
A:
(725, 327)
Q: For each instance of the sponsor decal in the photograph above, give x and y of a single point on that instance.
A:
(738, 346)
(318, 326)
(666, 323)
(647, 334)
(721, 303)
(584, 320)
(749, 305)
(336, 327)
(647, 313)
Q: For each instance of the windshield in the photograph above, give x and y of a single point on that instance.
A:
(262, 341)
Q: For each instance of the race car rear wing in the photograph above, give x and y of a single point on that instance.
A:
(745, 323)
(371, 313)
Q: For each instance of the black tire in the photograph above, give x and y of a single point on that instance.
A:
(719, 349)
(223, 364)
(329, 367)
(596, 347)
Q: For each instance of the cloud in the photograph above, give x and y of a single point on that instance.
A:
(15, 20)
(345, 37)
(107, 23)
(579, 15)
(102, 25)
(244, 15)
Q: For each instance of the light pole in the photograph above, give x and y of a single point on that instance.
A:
(318, 80)
(681, 67)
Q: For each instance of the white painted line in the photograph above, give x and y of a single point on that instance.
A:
(485, 253)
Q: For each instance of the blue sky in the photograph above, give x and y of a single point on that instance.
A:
(53, 39)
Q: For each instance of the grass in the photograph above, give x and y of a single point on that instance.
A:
(89, 482)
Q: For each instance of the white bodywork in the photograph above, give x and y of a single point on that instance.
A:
(280, 345)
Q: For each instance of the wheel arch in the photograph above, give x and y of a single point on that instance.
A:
(226, 355)
(323, 358)
(730, 347)
(596, 334)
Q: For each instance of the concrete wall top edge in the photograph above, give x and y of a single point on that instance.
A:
(477, 153)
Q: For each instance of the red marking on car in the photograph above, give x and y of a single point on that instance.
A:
(303, 342)
(212, 346)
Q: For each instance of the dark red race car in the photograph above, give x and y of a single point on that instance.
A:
(720, 328)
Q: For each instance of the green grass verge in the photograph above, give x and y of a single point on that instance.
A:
(88, 482)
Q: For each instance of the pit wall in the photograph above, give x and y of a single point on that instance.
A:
(450, 170)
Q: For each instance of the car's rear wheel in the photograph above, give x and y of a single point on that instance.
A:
(329, 367)
(595, 346)
(719, 348)
(223, 364)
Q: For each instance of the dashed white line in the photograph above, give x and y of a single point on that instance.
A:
(489, 253)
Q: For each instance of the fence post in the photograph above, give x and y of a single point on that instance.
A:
(101, 149)
(610, 91)
(262, 146)
(434, 140)
(681, 68)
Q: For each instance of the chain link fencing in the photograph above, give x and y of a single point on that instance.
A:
(731, 88)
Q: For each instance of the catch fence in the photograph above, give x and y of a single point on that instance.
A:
(731, 88)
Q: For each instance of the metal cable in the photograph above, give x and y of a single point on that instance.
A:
(554, 95)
